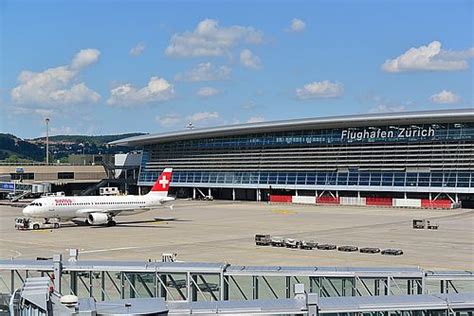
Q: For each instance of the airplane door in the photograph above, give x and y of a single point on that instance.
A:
(51, 209)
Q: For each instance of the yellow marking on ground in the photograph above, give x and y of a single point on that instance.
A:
(284, 212)
(42, 230)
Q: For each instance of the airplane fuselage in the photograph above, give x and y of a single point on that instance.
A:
(101, 209)
(81, 206)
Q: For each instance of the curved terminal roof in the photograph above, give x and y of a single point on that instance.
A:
(359, 120)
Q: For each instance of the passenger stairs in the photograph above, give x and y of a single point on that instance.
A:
(20, 196)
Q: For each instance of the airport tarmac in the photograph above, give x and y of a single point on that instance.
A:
(220, 231)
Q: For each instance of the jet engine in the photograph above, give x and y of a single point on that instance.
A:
(98, 218)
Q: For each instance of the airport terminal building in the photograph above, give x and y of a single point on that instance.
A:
(423, 155)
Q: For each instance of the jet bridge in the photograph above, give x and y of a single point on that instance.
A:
(208, 282)
(36, 297)
(20, 190)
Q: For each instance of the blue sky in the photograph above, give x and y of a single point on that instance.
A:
(99, 67)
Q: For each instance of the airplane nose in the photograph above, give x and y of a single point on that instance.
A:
(27, 211)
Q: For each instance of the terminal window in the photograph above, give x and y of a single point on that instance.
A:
(22, 176)
(65, 175)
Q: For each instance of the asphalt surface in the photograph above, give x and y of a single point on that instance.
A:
(220, 231)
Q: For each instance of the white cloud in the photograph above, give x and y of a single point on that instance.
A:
(210, 39)
(250, 105)
(57, 86)
(249, 60)
(169, 120)
(205, 72)
(63, 130)
(203, 117)
(386, 108)
(255, 119)
(38, 111)
(445, 97)
(297, 25)
(429, 58)
(84, 58)
(321, 89)
(44, 112)
(78, 93)
(207, 92)
(457, 54)
(380, 104)
(157, 90)
(137, 50)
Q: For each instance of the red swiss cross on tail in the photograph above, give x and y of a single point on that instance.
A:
(162, 184)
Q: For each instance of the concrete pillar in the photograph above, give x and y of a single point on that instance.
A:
(209, 192)
(430, 196)
(405, 195)
(312, 302)
(337, 193)
(456, 198)
(194, 193)
(139, 190)
(296, 192)
(358, 194)
(58, 267)
(233, 194)
(259, 195)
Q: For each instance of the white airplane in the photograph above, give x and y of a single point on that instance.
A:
(100, 210)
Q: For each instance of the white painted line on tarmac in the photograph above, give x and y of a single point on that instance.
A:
(18, 254)
(111, 249)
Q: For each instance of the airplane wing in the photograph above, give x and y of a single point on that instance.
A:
(112, 212)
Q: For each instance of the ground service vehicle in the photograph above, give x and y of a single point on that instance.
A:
(263, 240)
(423, 223)
(25, 223)
(109, 191)
(418, 224)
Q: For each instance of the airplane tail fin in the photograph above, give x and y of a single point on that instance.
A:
(162, 184)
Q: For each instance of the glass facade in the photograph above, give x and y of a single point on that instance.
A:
(462, 179)
(371, 134)
(426, 155)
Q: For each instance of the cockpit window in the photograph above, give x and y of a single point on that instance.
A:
(36, 204)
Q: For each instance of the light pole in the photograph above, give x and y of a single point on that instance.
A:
(47, 140)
